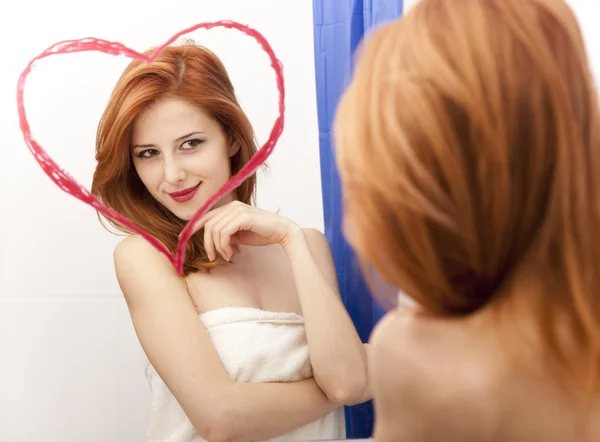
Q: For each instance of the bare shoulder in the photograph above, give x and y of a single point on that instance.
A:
(139, 265)
(135, 247)
(398, 341)
(417, 394)
(319, 246)
(316, 239)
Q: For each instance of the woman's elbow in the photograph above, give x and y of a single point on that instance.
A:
(217, 433)
(348, 392)
(217, 428)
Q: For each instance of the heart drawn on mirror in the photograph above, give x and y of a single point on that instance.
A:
(68, 184)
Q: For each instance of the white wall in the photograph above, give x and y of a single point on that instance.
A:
(70, 368)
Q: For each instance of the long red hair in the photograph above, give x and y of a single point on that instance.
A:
(469, 151)
(188, 72)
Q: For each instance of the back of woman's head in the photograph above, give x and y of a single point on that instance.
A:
(468, 146)
(188, 72)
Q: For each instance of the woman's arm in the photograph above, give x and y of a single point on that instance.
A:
(179, 348)
(337, 354)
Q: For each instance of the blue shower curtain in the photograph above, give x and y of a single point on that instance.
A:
(339, 26)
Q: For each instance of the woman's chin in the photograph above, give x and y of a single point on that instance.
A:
(188, 213)
(186, 216)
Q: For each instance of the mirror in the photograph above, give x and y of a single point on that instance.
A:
(72, 356)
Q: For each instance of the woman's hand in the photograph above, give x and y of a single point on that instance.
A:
(239, 223)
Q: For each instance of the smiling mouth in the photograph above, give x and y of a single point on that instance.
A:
(185, 194)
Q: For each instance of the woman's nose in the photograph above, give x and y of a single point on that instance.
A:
(174, 173)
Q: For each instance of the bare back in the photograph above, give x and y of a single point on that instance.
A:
(451, 380)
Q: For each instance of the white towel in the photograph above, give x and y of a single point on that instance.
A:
(254, 346)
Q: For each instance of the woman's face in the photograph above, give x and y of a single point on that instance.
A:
(181, 155)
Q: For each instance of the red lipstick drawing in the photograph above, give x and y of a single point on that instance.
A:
(184, 195)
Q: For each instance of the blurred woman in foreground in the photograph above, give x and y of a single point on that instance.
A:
(469, 151)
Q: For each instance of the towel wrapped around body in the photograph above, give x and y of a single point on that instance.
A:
(254, 346)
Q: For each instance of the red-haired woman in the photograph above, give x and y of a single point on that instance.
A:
(253, 342)
(469, 151)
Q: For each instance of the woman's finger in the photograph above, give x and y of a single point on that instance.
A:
(207, 217)
(216, 232)
(215, 224)
(209, 226)
(222, 232)
(240, 222)
(215, 239)
(208, 246)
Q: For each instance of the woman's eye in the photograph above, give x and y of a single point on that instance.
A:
(148, 153)
(191, 144)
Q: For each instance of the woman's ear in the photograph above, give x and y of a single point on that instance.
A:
(234, 147)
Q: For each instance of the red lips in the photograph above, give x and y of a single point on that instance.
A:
(185, 194)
